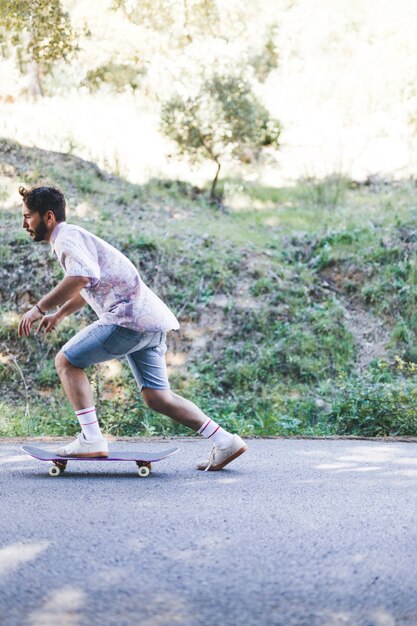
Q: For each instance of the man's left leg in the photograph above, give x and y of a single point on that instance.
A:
(85, 348)
(94, 344)
(75, 382)
(90, 442)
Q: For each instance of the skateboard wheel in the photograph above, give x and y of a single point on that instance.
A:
(144, 471)
(54, 471)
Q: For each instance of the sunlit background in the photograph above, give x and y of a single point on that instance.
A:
(339, 76)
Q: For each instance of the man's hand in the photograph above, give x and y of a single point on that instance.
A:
(27, 321)
(68, 291)
(49, 322)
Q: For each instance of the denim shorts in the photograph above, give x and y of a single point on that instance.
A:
(145, 352)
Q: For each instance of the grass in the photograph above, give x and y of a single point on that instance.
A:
(262, 290)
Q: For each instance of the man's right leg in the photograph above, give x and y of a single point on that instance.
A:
(226, 447)
(150, 371)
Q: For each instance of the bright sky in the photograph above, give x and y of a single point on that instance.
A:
(345, 92)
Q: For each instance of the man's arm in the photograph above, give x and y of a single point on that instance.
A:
(69, 287)
(49, 322)
(65, 291)
(71, 306)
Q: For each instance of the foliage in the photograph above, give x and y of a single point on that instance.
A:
(39, 30)
(328, 192)
(193, 18)
(372, 408)
(264, 346)
(224, 118)
(267, 59)
(117, 75)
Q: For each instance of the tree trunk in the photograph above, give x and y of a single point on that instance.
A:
(186, 24)
(34, 83)
(214, 183)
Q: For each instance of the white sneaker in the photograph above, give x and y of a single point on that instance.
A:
(219, 457)
(83, 448)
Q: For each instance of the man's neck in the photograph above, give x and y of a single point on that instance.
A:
(54, 233)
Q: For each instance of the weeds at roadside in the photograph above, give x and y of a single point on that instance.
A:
(276, 279)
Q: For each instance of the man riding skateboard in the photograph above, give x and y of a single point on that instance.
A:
(132, 322)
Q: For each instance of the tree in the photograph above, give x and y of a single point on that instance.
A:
(225, 119)
(180, 20)
(267, 59)
(41, 33)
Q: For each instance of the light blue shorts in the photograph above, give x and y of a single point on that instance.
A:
(145, 352)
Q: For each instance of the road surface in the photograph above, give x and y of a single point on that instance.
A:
(296, 533)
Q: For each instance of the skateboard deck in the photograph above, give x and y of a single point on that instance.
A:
(143, 460)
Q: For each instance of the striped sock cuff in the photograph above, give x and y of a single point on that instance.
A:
(87, 416)
(208, 429)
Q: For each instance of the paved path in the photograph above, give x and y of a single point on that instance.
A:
(295, 533)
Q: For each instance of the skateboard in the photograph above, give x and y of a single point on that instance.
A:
(143, 460)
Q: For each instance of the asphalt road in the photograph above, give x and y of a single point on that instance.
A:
(295, 533)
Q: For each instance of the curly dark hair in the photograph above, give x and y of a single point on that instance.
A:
(44, 199)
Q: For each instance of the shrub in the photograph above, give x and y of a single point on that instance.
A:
(117, 75)
(224, 119)
(372, 408)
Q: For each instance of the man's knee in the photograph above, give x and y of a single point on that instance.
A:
(158, 399)
(62, 363)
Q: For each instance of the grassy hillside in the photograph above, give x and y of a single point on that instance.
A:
(293, 308)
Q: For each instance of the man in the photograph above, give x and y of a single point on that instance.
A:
(132, 322)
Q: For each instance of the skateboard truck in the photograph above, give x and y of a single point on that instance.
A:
(57, 468)
(144, 469)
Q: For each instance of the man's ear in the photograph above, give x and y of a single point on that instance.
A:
(50, 216)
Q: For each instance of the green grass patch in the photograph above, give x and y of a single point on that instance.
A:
(266, 282)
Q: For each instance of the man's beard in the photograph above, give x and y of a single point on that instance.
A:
(40, 232)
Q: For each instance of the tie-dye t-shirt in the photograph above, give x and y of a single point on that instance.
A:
(116, 291)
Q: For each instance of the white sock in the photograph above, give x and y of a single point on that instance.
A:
(89, 423)
(220, 437)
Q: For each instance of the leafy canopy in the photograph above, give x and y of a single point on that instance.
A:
(180, 19)
(225, 119)
(39, 30)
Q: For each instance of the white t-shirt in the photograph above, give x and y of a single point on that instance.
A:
(116, 291)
